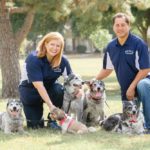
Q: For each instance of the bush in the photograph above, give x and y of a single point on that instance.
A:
(81, 49)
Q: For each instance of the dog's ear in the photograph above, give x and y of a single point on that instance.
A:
(68, 78)
(87, 82)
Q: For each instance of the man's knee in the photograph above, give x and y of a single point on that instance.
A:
(143, 84)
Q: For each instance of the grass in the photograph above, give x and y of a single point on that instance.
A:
(46, 139)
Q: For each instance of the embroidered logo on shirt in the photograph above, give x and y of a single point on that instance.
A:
(129, 52)
(57, 69)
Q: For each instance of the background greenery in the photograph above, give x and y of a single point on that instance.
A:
(47, 139)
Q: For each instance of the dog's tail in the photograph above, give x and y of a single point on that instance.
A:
(92, 129)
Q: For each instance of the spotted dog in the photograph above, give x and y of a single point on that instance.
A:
(94, 103)
(12, 120)
(131, 121)
(73, 96)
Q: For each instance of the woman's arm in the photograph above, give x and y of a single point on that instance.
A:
(43, 93)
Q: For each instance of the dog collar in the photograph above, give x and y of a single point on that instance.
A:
(66, 122)
(63, 120)
(93, 98)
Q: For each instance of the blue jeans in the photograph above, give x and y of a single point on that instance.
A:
(143, 89)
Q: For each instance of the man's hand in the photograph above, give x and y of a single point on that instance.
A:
(130, 93)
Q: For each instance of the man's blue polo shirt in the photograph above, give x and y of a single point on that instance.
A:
(126, 60)
(39, 69)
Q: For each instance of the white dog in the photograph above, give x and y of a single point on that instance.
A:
(12, 120)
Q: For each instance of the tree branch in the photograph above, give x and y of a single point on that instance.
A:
(24, 30)
(18, 10)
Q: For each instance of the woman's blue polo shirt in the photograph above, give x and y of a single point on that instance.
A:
(126, 60)
(39, 69)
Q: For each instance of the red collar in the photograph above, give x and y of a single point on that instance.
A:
(63, 120)
(93, 98)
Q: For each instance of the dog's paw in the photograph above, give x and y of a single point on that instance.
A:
(101, 122)
(92, 129)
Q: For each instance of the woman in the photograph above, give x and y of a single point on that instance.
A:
(40, 72)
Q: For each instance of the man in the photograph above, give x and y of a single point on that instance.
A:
(127, 54)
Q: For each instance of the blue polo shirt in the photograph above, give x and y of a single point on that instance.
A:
(126, 60)
(39, 69)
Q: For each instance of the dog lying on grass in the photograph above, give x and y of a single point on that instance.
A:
(68, 124)
(131, 121)
(73, 96)
(94, 103)
(11, 121)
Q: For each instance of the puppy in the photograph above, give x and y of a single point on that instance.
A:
(68, 124)
(94, 103)
(131, 121)
(73, 96)
(12, 120)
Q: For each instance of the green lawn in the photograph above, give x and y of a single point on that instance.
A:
(46, 139)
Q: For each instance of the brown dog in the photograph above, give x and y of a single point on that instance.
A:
(68, 124)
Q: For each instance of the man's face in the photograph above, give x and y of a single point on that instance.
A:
(121, 28)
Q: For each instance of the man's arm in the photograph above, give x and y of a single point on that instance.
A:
(131, 90)
(103, 74)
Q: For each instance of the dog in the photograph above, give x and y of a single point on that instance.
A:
(94, 103)
(11, 121)
(131, 121)
(73, 96)
(68, 124)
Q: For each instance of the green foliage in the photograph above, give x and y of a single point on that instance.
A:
(84, 22)
(17, 21)
(100, 38)
(44, 23)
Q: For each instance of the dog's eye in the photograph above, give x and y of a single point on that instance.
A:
(130, 108)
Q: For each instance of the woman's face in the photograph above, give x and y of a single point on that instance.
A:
(53, 47)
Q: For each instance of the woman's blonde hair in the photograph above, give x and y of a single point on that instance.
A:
(41, 49)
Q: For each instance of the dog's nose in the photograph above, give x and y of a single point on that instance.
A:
(14, 108)
(134, 112)
(98, 88)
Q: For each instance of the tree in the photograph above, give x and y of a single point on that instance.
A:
(9, 46)
(11, 39)
(142, 21)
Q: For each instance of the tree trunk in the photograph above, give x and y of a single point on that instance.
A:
(9, 48)
(9, 59)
